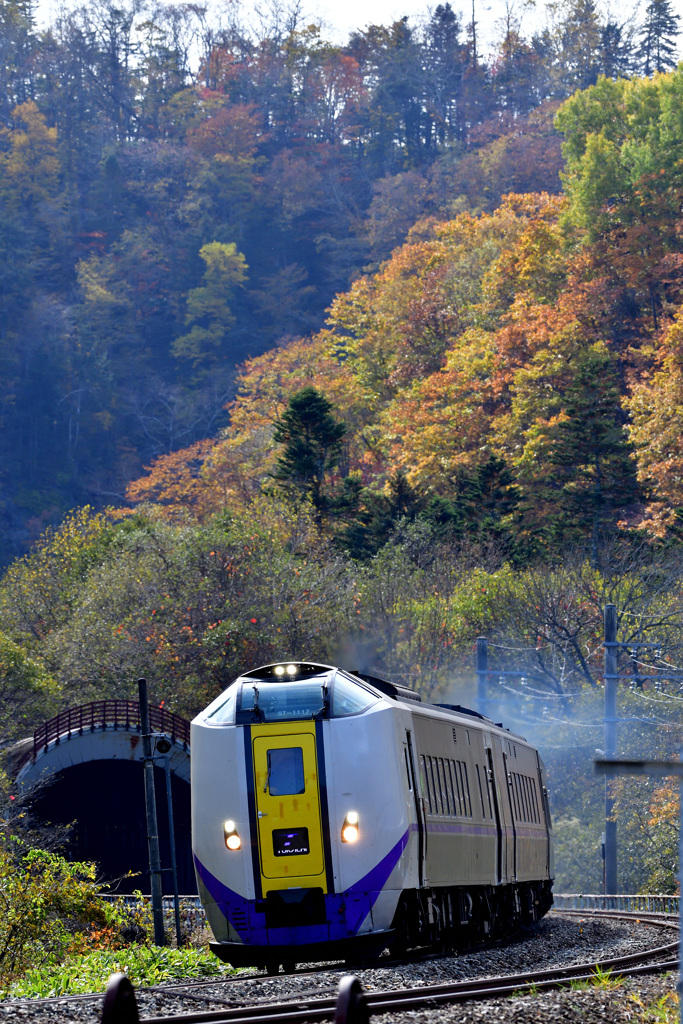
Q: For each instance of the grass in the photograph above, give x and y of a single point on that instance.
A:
(662, 1011)
(144, 965)
(599, 979)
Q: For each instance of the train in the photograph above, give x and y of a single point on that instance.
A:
(336, 814)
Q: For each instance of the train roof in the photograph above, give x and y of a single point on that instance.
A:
(291, 671)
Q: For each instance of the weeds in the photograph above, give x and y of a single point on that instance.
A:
(598, 979)
(662, 1011)
(144, 965)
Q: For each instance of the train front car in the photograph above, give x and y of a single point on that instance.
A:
(301, 845)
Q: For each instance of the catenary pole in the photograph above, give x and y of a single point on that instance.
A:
(151, 810)
(171, 839)
(610, 722)
(659, 769)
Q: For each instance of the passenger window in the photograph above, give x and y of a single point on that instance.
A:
(458, 790)
(426, 786)
(521, 798)
(405, 755)
(546, 808)
(489, 783)
(285, 772)
(466, 789)
(513, 788)
(447, 805)
(452, 809)
(433, 767)
(481, 791)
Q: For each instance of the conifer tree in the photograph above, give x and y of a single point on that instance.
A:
(589, 456)
(657, 51)
(312, 440)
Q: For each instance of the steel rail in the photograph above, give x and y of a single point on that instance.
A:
(409, 999)
(297, 1011)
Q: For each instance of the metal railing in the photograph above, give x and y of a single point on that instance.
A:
(647, 902)
(192, 915)
(108, 714)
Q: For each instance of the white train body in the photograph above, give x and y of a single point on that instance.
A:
(333, 813)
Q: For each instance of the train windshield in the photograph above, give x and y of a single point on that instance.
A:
(222, 711)
(333, 694)
(329, 696)
(281, 702)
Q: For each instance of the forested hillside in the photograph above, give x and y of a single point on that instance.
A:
(350, 353)
(513, 375)
(182, 188)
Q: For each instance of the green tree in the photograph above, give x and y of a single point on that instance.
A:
(27, 691)
(445, 60)
(208, 312)
(589, 448)
(312, 443)
(581, 44)
(45, 902)
(578, 475)
(17, 53)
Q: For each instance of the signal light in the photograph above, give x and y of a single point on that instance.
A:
(350, 832)
(232, 839)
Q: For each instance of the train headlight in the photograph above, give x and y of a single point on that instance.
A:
(232, 839)
(350, 831)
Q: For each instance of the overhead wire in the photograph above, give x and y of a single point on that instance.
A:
(526, 650)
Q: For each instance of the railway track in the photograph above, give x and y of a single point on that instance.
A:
(353, 1006)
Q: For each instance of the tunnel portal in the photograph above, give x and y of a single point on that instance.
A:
(83, 769)
(105, 801)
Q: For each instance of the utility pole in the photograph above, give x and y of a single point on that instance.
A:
(151, 810)
(658, 769)
(610, 723)
(482, 672)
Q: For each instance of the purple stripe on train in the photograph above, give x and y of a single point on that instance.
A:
(345, 911)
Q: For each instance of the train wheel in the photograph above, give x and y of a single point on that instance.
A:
(272, 967)
(289, 967)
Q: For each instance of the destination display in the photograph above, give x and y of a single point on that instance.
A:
(289, 842)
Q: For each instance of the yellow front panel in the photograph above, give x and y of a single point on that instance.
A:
(288, 806)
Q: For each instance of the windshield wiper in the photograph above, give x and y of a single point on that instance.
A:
(256, 710)
(322, 712)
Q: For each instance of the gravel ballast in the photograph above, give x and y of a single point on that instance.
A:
(557, 941)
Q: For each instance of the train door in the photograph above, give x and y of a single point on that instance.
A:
(419, 815)
(545, 804)
(288, 807)
(493, 790)
(513, 819)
